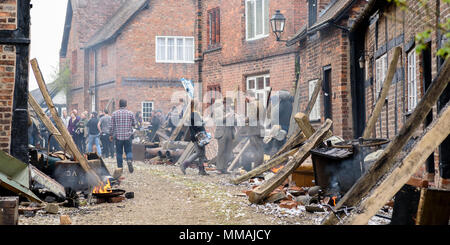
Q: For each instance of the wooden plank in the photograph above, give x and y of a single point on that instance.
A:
(273, 162)
(93, 177)
(434, 207)
(236, 159)
(384, 93)
(402, 170)
(186, 153)
(385, 162)
(258, 194)
(46, 121)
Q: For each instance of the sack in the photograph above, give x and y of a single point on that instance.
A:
(203, 138)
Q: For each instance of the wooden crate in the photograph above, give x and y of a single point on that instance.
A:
(304, 175)
(9, 210)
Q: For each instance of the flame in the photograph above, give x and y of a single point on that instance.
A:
(103, 188)
(334, 200)
(275, 170)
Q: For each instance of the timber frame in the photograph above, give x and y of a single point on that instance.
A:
(20, 38)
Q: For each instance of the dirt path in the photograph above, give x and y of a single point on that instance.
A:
(164, 196)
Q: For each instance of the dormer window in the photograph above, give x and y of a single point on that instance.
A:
(312, 12)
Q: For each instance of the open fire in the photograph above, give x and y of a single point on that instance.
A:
(103, 188)
(275, 170)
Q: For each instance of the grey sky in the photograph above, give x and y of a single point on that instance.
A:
(47, 26)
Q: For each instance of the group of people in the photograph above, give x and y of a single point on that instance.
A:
(111, 135)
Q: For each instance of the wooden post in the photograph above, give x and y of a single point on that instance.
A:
(236, 159)
(258, 194)
(403, 170)
(47, 122)
(384, 93)
(387, 159)
(304, 124)
(266, 166)
(95, 180)
(314, 96)
(9, 210)
(186, 153)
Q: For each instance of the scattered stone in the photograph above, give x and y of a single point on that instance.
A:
(129, 195)
(51, 208)
(288, 204)
(303, 200)
(313, 191)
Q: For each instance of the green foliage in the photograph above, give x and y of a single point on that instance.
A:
(422, 37)
(62, 78)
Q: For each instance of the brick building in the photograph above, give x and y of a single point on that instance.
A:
(324, 50)
(14, 57)
(139, 53)
(379, 29)
(239, 51)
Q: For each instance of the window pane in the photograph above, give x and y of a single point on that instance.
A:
(260, 82)
(250, 19)
(161, 49)
(267, 82)
(170, 49)
(189, 50)
(180, 49)
(251, 84)
(210, 28)
(259, 17)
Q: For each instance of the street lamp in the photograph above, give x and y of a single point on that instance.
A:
(277, 22)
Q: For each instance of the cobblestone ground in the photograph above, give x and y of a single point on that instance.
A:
(164, 196)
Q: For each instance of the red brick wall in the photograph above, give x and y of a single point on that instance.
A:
(8, 21)
(88, 17)
(413, 24)
(7, 79)
(239, 58)
(330, 49)
(132, 55)
(8, 14)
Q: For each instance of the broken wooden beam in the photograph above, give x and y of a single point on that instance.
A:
(258, 194)
(93, 177)
(303, 123)
(384, 93)
(177, 130)
(273, 162)
(46, 121)
(186, 153)
(402, 170)
(385, 162)
(314, 97)
(236, 159)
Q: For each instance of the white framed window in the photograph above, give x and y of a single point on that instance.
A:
(147, 108)
(380, 76)
(315, 112)
(260, 85)
(412, 81)
(257, 19)
(172, 49)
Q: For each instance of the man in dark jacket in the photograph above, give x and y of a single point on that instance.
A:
(196, 126)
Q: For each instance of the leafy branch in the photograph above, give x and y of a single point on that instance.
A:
(431, 23)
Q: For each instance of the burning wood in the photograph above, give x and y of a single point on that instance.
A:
(103, 188)
(275, 170)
